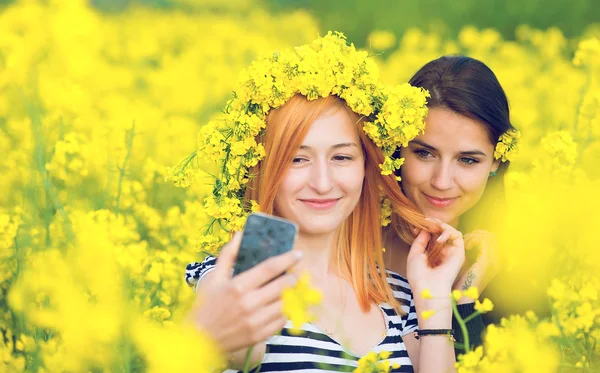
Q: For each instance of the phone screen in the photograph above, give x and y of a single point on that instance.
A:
(264, 236)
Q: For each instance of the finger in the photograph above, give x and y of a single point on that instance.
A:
(271, 292)
(227, 258)
(449, 233)
(257, 326)
(266, 315)
(470, 241)
(272, 328)
(443, 237)
(267, 270)
(420, 243)
(246, 339)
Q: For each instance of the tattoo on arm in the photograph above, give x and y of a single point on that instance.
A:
(469, 280)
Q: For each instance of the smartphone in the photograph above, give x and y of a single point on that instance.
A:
(264, 236)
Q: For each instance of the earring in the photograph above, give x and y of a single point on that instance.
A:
(493, 173)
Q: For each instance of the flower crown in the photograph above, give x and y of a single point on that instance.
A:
(327, 66)
(507, 145)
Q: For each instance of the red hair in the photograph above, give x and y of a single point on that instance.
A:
(358, 250)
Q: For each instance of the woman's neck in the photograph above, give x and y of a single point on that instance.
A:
(316, 250)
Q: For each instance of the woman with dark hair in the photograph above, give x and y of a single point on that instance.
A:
(454, 170)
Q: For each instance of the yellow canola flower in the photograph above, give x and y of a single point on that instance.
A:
(588, 53)
(375, 362)
(427, 314)
(468, 362)
(172, 348)
(9, 360)
(381, 39)
(472, 293)
(426, 294)
(507, 145)
(456, 295)
(485, 306)
(298, 300)
(576, 305)
(514, 346)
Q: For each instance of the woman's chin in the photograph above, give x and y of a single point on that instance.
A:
(319, 227)
(446, 217)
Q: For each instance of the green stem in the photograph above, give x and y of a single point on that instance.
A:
(129, 140)
(564, 336)
(463, 327)
(472, 316)
(183, 165)
(40, 165)
(584, 90)
(247, 361)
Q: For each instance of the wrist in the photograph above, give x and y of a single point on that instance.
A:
(440, 319)
(465, 300)
(434, 313)
(436, 290)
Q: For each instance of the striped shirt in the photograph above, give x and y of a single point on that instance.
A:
(316, 351)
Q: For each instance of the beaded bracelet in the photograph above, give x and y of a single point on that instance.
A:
(446, 332)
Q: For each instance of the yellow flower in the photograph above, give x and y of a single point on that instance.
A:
(485, 306)
(469, 360)
(386, 212)
(298, 300)
(380, 39)
(426, 294)
(472, 293)
(427, 314)
(456, 295)
(374, 362)
(507, 145)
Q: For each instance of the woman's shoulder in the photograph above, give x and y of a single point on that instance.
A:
(196, 270)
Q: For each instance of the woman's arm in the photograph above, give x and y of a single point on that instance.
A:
(242, 311)
(478, 274)
(434, 353)
(486, 266)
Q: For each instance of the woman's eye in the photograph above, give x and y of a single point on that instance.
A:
(299, 160)
(422, 153)
(342, 158)
(468, 160)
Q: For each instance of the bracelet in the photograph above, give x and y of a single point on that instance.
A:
(444, 332)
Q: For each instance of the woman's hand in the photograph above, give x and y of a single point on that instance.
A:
(486, 265)
(244, 310)
(438, 280)
(434, 353)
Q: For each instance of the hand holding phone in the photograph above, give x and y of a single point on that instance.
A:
(242, 311)
(264, 236)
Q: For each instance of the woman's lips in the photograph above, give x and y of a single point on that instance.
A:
(320, 204)
(439, 202)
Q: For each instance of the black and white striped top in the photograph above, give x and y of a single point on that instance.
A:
(316, 351)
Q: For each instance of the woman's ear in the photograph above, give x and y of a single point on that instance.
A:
(495, 165)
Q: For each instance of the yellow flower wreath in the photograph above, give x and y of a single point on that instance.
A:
(327, 66)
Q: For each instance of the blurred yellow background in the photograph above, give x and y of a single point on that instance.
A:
(98, 99)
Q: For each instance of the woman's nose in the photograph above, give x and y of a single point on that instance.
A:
(443, 177)
(321, 177)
